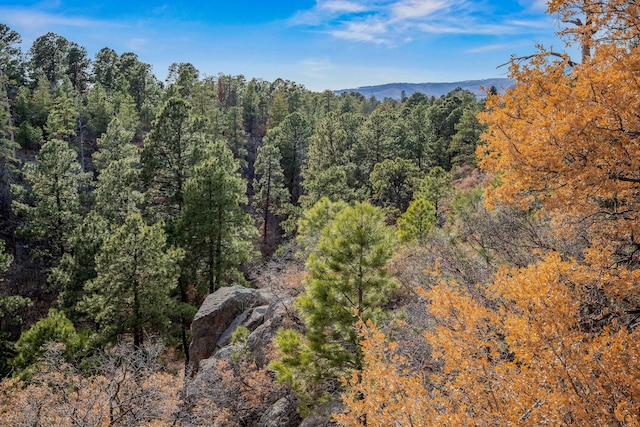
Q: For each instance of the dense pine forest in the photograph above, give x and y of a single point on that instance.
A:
(440, 261)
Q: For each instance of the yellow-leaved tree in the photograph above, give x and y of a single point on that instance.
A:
(556, 342)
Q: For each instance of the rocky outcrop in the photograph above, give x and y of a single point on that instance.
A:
(213, 355)
(322, 417)
(220, 314)
(283, 413)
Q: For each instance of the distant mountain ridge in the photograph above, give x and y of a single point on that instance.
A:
(394, 90)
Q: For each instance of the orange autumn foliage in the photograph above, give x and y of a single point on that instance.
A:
(526, 358)
(569, 143)
(556, 342)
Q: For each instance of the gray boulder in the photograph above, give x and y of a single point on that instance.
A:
(322, 417)
(215, 317)
(250, 319)
(281, 414)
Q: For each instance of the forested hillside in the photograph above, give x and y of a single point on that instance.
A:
(441, 261)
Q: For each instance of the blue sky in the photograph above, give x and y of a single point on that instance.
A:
(322, 44)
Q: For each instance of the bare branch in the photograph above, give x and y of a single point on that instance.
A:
(570, 62)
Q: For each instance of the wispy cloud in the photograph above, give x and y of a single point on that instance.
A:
(537, 5)
(417, 9)
(398, 21)
(341, 6)
(33, 19)
(368, 30)
(488, 48)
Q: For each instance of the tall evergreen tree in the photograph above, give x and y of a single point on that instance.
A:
(118, 192)
(346, 281)
(467, 138)
(11, 63)
(141, 84)
(100, 109)
(270, 194)
(78, 265)
(51, 208)
(10, 309)
(278, 111)
(214, 227)
(251, 109)
(41, 102)
(330, 170)
(393, 183)
(116, 143)
(8, 146)
(62, 120)
(415, 146)
(136, 273)
(292, 139)
(78, 67)
(435, 188)
(182, 79)
(235, 134)
(105, 68)
(49, 57)
(169, 155)
(205, 104)
(377, 139)
(171, 151)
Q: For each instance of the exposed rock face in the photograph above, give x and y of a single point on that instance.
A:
(323, 417)
(262, 313)
(281, 414)
(212, 327)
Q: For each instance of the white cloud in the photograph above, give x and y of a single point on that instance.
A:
(399, 21)
(369, 30)
(469, 27)
(537, 5)
(488, 48)
(31, 19)
(341, 6)
(416, 9)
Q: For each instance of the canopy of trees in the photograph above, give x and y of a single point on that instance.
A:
(125, 200)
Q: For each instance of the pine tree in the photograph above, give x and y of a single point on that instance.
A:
(347, 281)
(10, 309)
(378, 139)
(118, 191)
(41, 102)
(292, 138)
(270, 194)
(435, 188)
(466, 139)
(213, 225)
(136, 273)
(415, 146)
(330, 170)
(52, 208)
(49, 57)
(78, 265)
(278, 111)
(171, 150)
(100, 108)
(8, 146)
(314, 220)
(235, 134)
(63, 119)
(417, 221)
(393, 183)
